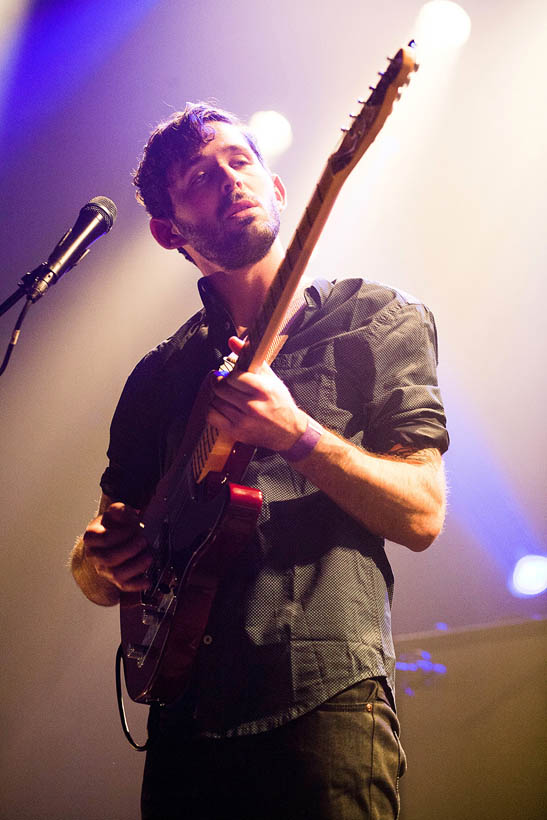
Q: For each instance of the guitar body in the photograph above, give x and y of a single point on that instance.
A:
(162, 629)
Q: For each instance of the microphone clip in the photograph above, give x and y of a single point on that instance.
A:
(36, 282)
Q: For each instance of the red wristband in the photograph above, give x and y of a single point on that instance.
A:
(303, 446)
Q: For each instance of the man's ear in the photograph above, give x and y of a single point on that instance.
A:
(165, 233)
(280, 192)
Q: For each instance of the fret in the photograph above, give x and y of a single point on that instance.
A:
(309, 221)
(281, 278)
(203, 450)
(298, 243)
(278, 284)
(312, 211)
(211, 435)
(291, 251)
(253, 336)
(268, 307)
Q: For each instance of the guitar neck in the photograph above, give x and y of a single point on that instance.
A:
(263, 334)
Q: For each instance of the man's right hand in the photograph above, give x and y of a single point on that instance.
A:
(114, 548)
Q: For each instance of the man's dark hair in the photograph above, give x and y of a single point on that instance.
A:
(178, 138)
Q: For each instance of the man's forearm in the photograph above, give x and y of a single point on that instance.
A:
(94, 587)
(399, 496)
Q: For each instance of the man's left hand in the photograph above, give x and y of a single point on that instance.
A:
(255, 408)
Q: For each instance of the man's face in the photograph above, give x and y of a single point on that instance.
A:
(226, 205)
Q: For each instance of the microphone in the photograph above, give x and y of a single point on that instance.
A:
(94, 219)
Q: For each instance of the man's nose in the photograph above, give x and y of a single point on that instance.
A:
(230, 179)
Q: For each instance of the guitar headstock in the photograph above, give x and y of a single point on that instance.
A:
(374, 112)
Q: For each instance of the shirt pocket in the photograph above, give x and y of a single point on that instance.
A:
(329, 395)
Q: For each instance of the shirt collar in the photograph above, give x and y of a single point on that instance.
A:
(220, 321)
(221, 325)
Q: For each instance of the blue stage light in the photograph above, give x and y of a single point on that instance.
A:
(529, 575)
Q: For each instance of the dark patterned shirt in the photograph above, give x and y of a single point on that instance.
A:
(305, 609)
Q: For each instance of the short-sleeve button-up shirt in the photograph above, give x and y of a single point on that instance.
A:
(304, 611)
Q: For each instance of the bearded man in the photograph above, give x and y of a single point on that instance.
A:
(290, 712)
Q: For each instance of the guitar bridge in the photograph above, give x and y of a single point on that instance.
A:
(137, 652)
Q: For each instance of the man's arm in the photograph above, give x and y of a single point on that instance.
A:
(399, 495)
(111, 555)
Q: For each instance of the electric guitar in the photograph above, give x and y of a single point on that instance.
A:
(200, 517)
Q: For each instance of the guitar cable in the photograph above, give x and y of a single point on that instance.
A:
(121, 709)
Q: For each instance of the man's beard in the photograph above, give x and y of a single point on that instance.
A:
(232, 246)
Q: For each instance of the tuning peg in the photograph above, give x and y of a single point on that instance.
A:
(354, 116)
(381, 73)
(372, 88)
(345, 130)
(361, 102)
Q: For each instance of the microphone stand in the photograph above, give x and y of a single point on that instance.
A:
(25, 287)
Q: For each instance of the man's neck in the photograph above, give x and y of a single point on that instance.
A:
(242, 291)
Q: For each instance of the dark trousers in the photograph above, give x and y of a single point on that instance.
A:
(342, 761)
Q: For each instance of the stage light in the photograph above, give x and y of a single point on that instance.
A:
(442, 24)
(530, 575)
(273, 132)
(13, 14)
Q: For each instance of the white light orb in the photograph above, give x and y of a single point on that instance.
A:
(442, 24)
(530, 575)
(273, 132)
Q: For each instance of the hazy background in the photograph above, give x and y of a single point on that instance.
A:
(448, 204)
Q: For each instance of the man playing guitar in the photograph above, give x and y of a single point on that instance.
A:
(289, 712)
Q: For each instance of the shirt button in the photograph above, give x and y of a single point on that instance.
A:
(226, 325)
(207, 640)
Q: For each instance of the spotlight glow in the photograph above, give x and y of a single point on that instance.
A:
(530, 575)
(273, 132)
(442, 24)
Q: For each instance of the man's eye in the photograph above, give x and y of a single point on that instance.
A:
(198, 178)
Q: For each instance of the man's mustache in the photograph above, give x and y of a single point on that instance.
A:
(231, 199)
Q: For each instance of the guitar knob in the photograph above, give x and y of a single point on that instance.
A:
(150, 616)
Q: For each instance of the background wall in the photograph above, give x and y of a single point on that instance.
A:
(475, 736)
(448, 204)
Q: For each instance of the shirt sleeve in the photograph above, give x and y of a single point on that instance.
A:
(133, 469)
(152, 392)
(406, 406)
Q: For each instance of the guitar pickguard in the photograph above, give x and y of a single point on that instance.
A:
(162, 629)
